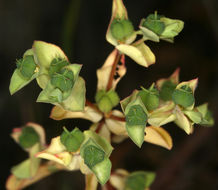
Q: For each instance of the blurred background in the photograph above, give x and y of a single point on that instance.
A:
(79, 27)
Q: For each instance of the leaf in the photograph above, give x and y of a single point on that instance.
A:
(29, 167)
(102, 171)
(195, 116)
(139, 180)
(148, 34)
(182, 121)
(103, 74)
(118, 178)
(128, 99)
(17, 81)
(116, 127)
(46, 52)
(206, 114)
(91, 182)
(139, 52)
(135, 130)
(102, 142)
(172, 27)
(58, 113)
(158, 136)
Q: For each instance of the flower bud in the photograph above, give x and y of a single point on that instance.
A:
(121, 29)
(26, 66)
(28, 137)
(106, 100)
(153, 23)
(72, 140)
(166, 90)
(93, 155)
(150, 98)
(113, 96)
(105, 104)
(56, 65)
(183, 96)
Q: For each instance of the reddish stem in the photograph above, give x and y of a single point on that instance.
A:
(113, 70)
(117, 118)
(100, 124)
(90, 104)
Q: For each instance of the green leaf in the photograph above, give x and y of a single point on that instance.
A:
(195, 116)
(166, 90)
(46, 52)
(207, 115)
(136, 116)
(136, 119)
(172, 27)
(139, 180)
(93, 155)
(22, 170)
(102, 171)
(18, 82)
(183, 96)
(102, 142)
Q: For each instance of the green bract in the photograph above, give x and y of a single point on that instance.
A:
(183, 96)
(26, 66)
(150, 97)
(154, 23)
(93, 155)
(121, 29)
(28, 137)
(72, 140)
(106, 100)
(136, 116)
(56, 65)
(166, 90)
(139, 180)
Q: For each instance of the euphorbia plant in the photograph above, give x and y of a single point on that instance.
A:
(141, 117)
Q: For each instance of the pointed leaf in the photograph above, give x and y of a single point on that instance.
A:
(58, 113)
(158, 136)
(182, 121)
(139, 52)
(102, 171)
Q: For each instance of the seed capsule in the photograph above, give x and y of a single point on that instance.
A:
(105, 104)
(63, 80)
(26, 66)
(113, 96)
(154, 23)
(72, 140)
(121, 29)
(183, 96)
(28, 137)
(56, 65)
(150, 98)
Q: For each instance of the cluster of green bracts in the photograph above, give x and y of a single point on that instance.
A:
(59, 80)
(168, 101)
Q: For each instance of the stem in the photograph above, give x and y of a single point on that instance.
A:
(113, 70)
(117, 118)
(100, 124)
(90, 104)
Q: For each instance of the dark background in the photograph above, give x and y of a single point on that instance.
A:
(79, 27)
